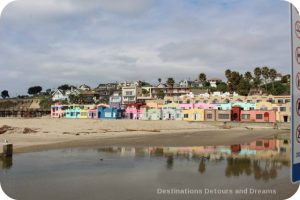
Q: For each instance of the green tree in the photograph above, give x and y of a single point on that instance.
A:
(286, 79)
(170, 82)
(248, 76)
(234, 81)
(222, 87)
(257, 74)
(159, 80)
(243, 87)
(48, 91)
(160, 94)
(65, 87)
(202, 78)
(145, 92)
(228, 73)
(4, 94)
(273, 74)
(34, 90)
(265, 71)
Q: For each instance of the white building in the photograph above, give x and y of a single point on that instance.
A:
(130, 94)
(85, 87)
(214, 81)
(60, 95)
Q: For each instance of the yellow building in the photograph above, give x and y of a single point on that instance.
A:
(193, 114)
(264, 106)
(283, 112)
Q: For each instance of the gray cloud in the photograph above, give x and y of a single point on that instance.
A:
(76, 41)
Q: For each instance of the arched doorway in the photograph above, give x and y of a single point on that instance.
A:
(266, 117)
(235, 117)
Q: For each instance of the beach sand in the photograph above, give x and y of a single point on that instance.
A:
(46, 133)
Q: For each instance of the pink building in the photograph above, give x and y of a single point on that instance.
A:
(206, 106)
(134, 111)
(258, 116)
(57, 111)
(93, 113)
(188, 106)
(268, 144)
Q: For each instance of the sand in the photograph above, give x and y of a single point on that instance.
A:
(47, 133)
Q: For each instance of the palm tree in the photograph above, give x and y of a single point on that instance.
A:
(170, 82)
(202, 78)
(228, 73)
(248, 76)
(265, 73)
(273, 74)
(257, 74)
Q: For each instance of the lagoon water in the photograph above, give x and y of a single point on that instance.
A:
(249, 171)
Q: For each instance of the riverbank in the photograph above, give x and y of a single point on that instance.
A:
(46, 133)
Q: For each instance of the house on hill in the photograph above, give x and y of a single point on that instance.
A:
(85, 87)
(214, 81)
(63, 95)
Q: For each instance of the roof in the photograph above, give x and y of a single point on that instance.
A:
(214, 79)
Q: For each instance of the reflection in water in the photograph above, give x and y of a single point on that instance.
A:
(6, 162)
(93, 173)
(202, 166)
(261, 158)
(170, 162)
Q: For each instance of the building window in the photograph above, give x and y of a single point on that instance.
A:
(259, 116)
(280, 100)
(186, 115)
(246, 116)
(223, 116)
(107, 114)
(209, 116)
(259, 143)
(128, 93)
(282, 109)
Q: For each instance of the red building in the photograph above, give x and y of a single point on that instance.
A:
(236, 113)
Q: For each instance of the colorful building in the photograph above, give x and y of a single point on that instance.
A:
(223, 106)
(258, 116)
(236, 113)
(134, 111)
(194, 114)
(72, 112)
(245, 106)
(210, 115)
(57, 111)
(223, 115)
(171, 111)
(110, 113)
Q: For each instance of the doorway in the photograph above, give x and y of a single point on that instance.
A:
(266, 117)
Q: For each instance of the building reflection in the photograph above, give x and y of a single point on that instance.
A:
(260, 158)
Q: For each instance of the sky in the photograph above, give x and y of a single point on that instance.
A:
(52, 42)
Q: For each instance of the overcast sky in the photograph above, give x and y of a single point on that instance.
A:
(51, 42)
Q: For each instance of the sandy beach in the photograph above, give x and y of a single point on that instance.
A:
(46, 133)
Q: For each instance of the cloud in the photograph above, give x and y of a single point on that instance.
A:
(76, 41)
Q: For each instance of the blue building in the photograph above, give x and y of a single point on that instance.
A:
(110, 113)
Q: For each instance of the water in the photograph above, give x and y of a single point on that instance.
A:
(147, 173)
